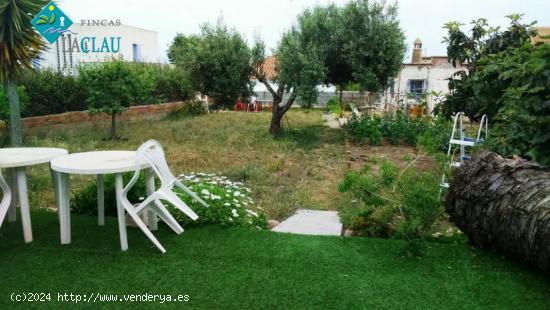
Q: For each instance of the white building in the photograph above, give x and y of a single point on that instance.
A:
(423, 75)
(96, 42)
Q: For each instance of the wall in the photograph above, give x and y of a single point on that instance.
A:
(146, 39)
(133, 113)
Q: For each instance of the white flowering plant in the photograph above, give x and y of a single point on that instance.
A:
(230, 203)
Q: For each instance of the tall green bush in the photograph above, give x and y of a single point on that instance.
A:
(522, 78)
(111, 88)
(52, 92)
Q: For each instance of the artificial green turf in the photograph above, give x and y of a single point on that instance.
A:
(240, 268)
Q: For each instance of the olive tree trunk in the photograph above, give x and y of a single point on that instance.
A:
(16, 133)
(503, 204)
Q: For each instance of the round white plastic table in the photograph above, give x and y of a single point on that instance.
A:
(97, 163)
(15, 160)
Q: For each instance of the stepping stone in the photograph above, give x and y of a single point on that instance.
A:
(312, 222)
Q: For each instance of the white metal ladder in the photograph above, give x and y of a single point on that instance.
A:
(463, 141)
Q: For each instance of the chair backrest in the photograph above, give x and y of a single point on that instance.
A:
(152, 152)
(6, 198)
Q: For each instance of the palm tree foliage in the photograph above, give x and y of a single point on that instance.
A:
(20, 44)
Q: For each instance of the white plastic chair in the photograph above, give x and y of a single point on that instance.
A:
(152, 153)
(6, 199)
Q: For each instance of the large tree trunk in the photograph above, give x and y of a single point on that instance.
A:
(503, 204)
(16, 133)
(276, 127)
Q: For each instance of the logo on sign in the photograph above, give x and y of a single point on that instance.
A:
(51, 22)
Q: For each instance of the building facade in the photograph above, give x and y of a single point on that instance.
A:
(420, 77)
(88, 42)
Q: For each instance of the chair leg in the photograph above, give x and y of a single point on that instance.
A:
(150, 189)
(168, 218)
(121, 212)
(100, 201)
(179, 204)
(144, 228)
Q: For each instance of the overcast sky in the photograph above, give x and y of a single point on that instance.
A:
(269, 18)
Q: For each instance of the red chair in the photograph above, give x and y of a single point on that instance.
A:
(239, 106)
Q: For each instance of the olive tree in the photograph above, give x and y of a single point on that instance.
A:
(359, 43)
(217, 62)
(299, 70)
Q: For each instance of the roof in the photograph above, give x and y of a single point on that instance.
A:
(270, 67)
(543, 35)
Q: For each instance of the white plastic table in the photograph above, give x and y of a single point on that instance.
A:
(98, 163)
(15, 160)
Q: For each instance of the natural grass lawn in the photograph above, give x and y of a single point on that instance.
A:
(301, 169)
(237, 268)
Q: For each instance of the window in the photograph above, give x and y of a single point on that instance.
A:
(417, 87)
(136, 52)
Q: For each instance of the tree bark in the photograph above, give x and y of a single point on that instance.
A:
(503, 204)
(16, 132)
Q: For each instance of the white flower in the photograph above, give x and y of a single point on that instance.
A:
(227, 204)
(141, 198)
(252, 213)
(234, 212)
(205, 192)
(237, 193)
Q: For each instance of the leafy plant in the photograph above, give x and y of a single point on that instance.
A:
(523, 120)
(470, 50)
(394, 203)
(431, 134)
(189, 108)
(52, 92)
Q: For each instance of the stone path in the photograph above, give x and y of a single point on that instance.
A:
(332, 121)
(312, 222)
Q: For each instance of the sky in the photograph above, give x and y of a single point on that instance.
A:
(268, 19)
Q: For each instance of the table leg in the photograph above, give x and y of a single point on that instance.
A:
(121, 213)
(24, 203)
(63, 206)
(54, 184)
(100, 201)
(150, 189)
(12, 211)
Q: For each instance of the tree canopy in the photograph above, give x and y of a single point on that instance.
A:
(217, 62)
(359, 43)
(470, 49)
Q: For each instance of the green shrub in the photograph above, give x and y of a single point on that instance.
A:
(230, 202)
(393, 204)
(188, 109)
(161, 83)
(433, 135)
(5, 105)
(52, 92)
